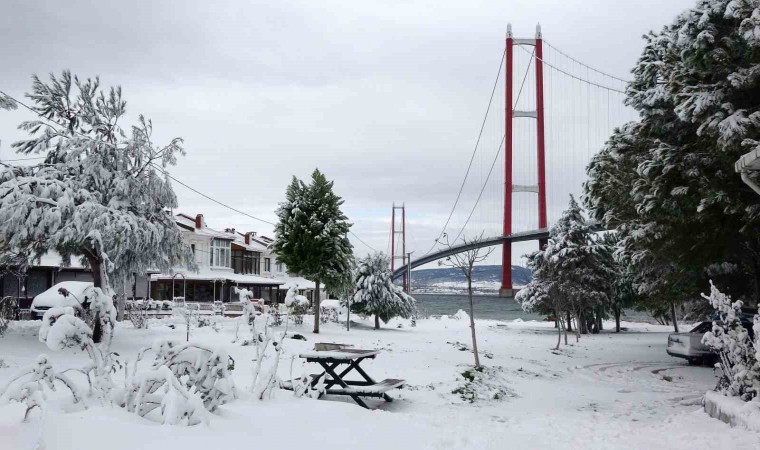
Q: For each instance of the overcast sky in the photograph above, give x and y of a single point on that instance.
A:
(386, 98)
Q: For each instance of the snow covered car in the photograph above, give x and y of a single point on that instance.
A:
(78, 292)
(689, 345)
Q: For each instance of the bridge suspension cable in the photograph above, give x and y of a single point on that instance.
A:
(472, 157)
(620, 91)
(548, 44)
(498, 152)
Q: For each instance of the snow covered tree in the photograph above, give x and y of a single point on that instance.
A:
(376, 294)
(739, 353)
(621, 276)
(100, 195)
(311, 237)
(465, 262)
(569, 273)
(667, 181)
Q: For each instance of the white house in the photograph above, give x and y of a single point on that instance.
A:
(225, 259)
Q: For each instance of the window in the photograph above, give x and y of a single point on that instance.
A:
(220, 253)
(278, 266)
(257, 263)
(245, 262)
(267, 265)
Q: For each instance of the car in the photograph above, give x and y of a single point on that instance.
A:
(690, 347)
(76, 294)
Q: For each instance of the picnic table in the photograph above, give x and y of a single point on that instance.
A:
(336, 382)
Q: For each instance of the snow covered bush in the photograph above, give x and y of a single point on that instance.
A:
(8, 307)
(200, 369)
(61, 329)
(483, 384)
(298, 305)
(264, 379)
(739, 355)
(26, 386)
(159, 389)
(376, 294)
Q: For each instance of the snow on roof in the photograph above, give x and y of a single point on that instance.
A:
(189, 222)
(254, 246)
(211, 274)
(300, 282)
(53, 259)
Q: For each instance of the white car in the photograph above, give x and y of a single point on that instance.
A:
(77, 292)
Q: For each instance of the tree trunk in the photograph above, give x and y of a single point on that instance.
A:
(599, 324)
(559, 329)
(472, 320)
(569, 323)
(316, 306)
(617, 319)
(673, 315)
(377, 322)
(99, 280)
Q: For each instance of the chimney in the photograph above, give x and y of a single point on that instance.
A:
(248, 237)
(229, 230)
(199, 222)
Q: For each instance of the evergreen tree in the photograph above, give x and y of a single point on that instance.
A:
(570, 273)
(376, 294)
(99, 195)
(667, 181)
(311, 237)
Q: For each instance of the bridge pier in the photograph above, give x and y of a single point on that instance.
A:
(507, 292)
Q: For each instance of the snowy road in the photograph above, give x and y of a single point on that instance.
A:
(608, 391)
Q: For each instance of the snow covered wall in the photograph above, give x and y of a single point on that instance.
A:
(732, 410)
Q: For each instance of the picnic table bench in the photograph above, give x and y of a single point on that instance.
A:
(337, 384)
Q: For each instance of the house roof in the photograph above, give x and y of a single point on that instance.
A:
(188, 222)
(211, 275)
(254, 245)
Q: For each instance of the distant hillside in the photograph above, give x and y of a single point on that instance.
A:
(486, 279)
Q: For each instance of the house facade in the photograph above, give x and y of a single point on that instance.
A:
(225, 259)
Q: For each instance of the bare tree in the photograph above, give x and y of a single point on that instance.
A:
(465, 261)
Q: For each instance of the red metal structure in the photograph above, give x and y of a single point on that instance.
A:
(506, 254)
(394, 237)
(510, 115)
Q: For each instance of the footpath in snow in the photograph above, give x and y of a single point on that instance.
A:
(610, 390)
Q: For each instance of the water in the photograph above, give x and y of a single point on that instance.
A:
(486, 306)
(493, 307)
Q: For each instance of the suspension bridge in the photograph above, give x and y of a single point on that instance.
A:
(547, 115)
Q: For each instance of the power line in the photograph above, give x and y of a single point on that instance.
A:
(472, 157)
(155, 166)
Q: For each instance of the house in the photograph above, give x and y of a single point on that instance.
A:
(271, 267)
(225, 260)
(49, 271)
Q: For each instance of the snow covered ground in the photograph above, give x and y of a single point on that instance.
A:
(609, 391)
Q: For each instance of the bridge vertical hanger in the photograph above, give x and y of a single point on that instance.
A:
(509, 116)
